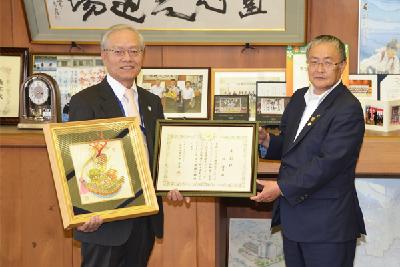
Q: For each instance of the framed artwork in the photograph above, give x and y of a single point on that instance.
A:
(100, 167)
(184, 92)
(270, 110)
(297, 71)
(378, 37)
(364, 86)
(198, 158)
(253, 244)
(225, 22)
(72, 72)
(13, 71)
(231, 107)
(242, 82)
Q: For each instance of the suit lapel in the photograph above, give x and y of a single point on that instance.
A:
(317, 115)
(145, 109)
(108, 101)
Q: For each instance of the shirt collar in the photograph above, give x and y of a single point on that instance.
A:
(310, 95)
(118, 88)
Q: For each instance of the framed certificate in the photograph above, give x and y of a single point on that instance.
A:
(270, 110)
(213, 158)
(100, 167)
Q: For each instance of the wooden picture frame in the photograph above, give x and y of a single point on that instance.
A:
(72, 72)
(225, 81)
(174, 106)
(100, 167)
(198, 158)
(13, 71)
(291, 30)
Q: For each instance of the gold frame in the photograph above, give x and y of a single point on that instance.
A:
(59, 137)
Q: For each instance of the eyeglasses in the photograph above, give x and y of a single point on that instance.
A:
(326, 64)
(119, 52)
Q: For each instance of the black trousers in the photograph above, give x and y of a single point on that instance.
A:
(134, 253)
(337, 254)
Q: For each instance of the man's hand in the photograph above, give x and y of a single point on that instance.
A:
(175, 195)
(92, 225)
(270, 192)
(263, 137)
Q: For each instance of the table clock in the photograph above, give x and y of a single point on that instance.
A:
(40, 102)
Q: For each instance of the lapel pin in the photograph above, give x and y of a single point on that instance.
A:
(149, 108)
(318, 116)
(309, 123)
(312, 118)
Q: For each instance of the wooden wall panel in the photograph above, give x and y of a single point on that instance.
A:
(6, 30)
(338, 18)
(11, 208)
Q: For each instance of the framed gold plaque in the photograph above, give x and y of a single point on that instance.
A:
(206, 158)
(100, 167)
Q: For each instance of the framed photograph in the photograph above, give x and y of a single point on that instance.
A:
(206, 158)
(364, 86)
(184, 92)
(243, 82)
(225, 22)
(72, 72)
(231, 107)
(378, 37)
(297, 71)
(381, 115)
(270, 110)
(100, 167)
(13, 71)
(253, 244)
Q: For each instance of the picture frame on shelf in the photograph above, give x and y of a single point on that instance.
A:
(231, 107)
(242, 81)
(100, 167)
(14, 62)
(195, 23)
(364, 86)
(72, 72)
(178, 101)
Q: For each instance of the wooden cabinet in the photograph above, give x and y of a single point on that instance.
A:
(195, 234)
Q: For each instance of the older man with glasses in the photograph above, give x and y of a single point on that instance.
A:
(126, 242)
(322, 130)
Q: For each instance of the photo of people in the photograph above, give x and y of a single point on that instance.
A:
(178, 93)
(394, 115)
(230, 104)
(273, 105)
(374, 115)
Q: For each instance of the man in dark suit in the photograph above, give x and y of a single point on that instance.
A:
(126, 242)
(320, 138)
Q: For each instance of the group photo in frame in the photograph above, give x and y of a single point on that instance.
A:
(243, 82)
(364, 86)
(14, 62)
(72, 72)
(198, 158)
(231, 107)
(184, 92)
(100, 167)
(170, 22)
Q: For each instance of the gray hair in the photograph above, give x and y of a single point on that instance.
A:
(118, 27)
(330, 40)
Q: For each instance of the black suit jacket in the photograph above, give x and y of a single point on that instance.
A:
(100, 102)
(317, 170)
